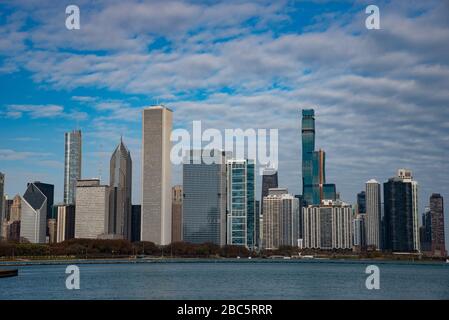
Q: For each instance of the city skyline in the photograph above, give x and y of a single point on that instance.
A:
(371, 110)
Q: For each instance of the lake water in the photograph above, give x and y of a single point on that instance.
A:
(231, 279)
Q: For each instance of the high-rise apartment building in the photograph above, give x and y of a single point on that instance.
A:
(373, 214)
(176, 234)
(315, 188)
(401, 213)
(241, 182)
(92, 209)
(329, 226)
(72, 165)
(156, 224)
(438, 247)
(120, 192)
(204, 201)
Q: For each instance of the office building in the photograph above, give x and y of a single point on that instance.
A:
(359, 232)
(269, 181)
(315, 188)
(72, 165)
(438, 247)
(425, 232)
(136, 212)
(204, 201)
(65, 229)
(92, 209)
(156, 224)
(176, 214)
(120, 192)
(373, 214)
(401, 213)
(33, 224)
(241, 182)
(361, 202)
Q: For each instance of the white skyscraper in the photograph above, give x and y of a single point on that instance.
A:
(373, 214)
(72, 165)
(33, 215)
(156, 222)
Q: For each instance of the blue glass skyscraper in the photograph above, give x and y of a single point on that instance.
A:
(314, 184)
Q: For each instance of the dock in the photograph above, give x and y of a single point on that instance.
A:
(9, 273)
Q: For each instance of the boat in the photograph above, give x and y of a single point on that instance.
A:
(9, 273)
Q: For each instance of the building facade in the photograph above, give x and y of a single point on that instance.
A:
(72, 164)
(361, 202)
(2, 197)
(269, 181)
(436, 206)
(401, 213)
(176, 213)
(329, 226)
(120, 192)
(33, 224)
(241, 204)
(373, 214)
(92, 209)
(65, 229)
(156, 221)
(205, 196)
(425, 232)
(136, 213)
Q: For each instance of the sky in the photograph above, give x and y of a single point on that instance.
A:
(381, 97)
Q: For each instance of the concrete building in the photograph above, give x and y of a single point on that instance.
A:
(176, 214)
(120, 192)
(328, 226)
(204, 197)
(241, 182)
(65, 229)
(438, 247)
(33, 215)
(373, 214)
(92, 209)
(281, 223)
(72, 164)
(156, 224)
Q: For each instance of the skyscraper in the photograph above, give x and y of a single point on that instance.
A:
(269, 180)
(72, 164)
(65, 229)
(49, 191)
(176, 234)
(437, 221)
(156, 221)
(120, 192)
(135, 222)
(425, 231)
(204, 202)
(241, 202)
(33, 223)
(92, 209)
(401, 213)
(315, 188)
(373, 214)
(361, 202)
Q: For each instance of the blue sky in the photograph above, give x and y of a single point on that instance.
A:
(381, 96)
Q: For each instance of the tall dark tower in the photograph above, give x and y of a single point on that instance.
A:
(120, 196)
(437, 221)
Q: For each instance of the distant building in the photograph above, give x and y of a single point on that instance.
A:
(136, 211)
(156, 221)
(359, 231)
(92, 209)
(72, 164)
(204, 200)
(401, 213)
(7, 207)
(281, 219)
(176, 214)
(2, 195)
(361, 202)
(15, 211)
(315, 188)
(437, 221)
(120, 192)
(52, 230)
(328, 226)
(33, 215)
(425, 231)
(65, 229)
(373, 214)
(241, 204)
(13, 231)
(269, 181)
